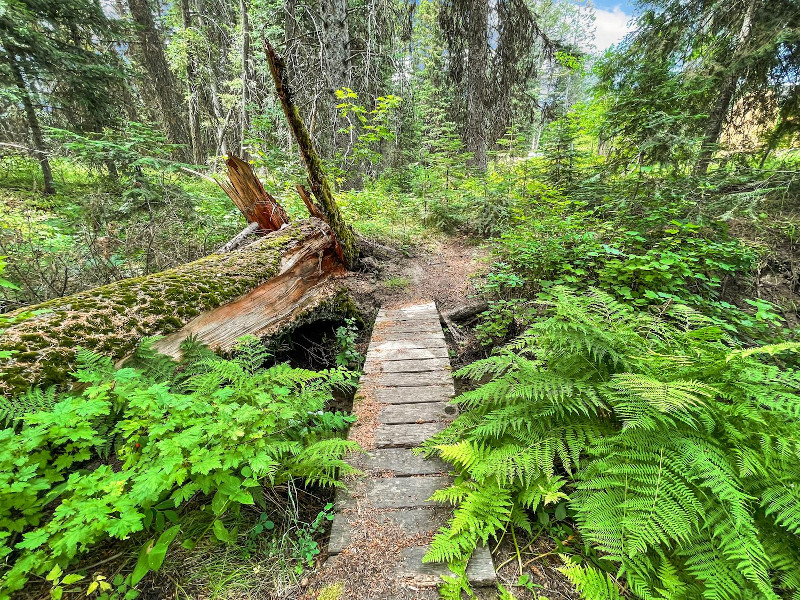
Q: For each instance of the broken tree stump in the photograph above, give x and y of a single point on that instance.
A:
(248, 194)
(281, 277)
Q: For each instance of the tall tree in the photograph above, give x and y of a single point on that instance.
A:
(56, 57)
(744, 51)
(491, 62)
(160, 82)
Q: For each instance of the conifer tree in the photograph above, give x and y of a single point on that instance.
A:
(51, 62)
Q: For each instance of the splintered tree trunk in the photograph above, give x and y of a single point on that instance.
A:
(266, 287)
(248, 194)
(316, 176)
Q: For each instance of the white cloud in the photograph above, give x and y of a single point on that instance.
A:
(610, 27)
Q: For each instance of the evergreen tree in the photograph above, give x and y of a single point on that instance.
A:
(57, 57)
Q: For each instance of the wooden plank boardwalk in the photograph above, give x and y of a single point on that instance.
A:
(384, 521)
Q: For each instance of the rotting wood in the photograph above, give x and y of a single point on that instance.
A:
(316, 176)
(250, 197)
(302, 283)
(316, 211)
(262, 287)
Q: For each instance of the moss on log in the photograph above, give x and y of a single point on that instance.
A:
(114, 318)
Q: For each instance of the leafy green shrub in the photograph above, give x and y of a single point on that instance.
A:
(677, 450)
(206, 427)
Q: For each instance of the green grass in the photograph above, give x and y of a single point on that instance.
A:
(397, 283)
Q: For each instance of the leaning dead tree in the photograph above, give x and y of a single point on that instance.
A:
(316, 175)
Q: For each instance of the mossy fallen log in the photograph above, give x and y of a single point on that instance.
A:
(253, 290)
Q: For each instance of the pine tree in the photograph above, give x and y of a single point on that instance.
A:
(51, 63)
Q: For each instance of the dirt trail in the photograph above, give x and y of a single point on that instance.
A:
(443, 270)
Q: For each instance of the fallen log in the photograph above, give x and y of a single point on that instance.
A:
(466, 312)
(255, 290)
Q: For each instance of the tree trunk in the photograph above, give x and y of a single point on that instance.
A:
(256, 290)
(316, 176)
(160, 80)
(336, 58)
(478, 44)
(246, 70)
(722, 104)
(33, 124)
(191, 85)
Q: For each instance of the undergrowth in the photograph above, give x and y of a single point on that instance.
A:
(674, 447)
(141, 451)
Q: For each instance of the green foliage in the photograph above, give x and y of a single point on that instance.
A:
(371, 127)
(348, 355)
(207, 427)
(130, 149)
(676, 448)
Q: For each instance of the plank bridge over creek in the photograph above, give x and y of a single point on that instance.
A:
(402, 401)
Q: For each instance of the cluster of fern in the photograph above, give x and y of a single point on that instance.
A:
(128, 452)
(678, 451)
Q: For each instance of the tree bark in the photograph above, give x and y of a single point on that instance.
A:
(246, 69)
(161, 82)
(478, 46)
(336, 60)
(33, 124)
(191, 85)
(727, 90)
(316, 175)
(256, 290)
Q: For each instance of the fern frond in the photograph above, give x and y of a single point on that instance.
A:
(591, 583)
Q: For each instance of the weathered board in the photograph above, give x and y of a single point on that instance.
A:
(407, 374)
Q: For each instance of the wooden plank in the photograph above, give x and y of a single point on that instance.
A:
(414, 365)
(383, 352)
(404, 492)
(412, 379)
(427, 412)
(414, 394)
(405, 436)
(400, 462)
(480, 569)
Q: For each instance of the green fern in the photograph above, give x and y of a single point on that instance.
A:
(679, 451)
(591, 583)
